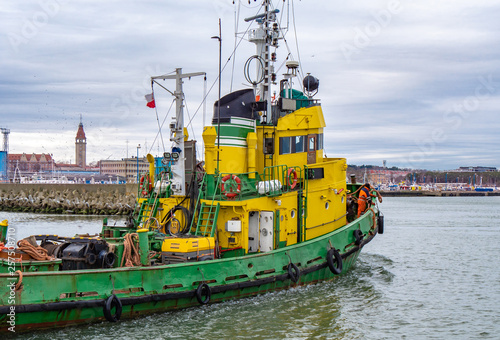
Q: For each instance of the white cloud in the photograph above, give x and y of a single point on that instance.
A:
(94, 58)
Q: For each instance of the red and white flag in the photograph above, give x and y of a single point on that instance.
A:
(151, 100)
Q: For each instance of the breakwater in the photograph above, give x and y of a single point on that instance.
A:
(84, 199)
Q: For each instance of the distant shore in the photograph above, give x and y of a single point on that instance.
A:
(414, 193)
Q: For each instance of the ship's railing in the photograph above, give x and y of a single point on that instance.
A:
(273, 181)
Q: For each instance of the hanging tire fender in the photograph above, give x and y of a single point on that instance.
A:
(380, 223)
(111, 302)
(203, 289)
(293, 272)
(334, 261)
(358, 236)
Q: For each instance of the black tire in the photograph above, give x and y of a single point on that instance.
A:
(334, 261)
(380, 223)
(293, 272)
(358, 236)
(203, 289)
(91, 258)
(111, 302)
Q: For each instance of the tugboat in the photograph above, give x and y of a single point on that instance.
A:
(266, 211)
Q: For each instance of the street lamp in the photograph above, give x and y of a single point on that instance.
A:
(138, 147)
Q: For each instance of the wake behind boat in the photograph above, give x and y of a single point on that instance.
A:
(267, 211)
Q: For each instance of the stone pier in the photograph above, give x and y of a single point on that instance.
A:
(85, 199)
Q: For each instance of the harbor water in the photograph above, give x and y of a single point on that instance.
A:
(433, 274)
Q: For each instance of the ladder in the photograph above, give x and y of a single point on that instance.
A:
(148, 209)
(207, 214)
(207, 219)
(302, 216)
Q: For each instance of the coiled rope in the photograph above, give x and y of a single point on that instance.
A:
(38, 253)
(131, 255)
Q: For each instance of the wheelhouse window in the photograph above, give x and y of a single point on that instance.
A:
(293, 144)
(319, 142)
(312, 143)
(285, 145)
(299, 144)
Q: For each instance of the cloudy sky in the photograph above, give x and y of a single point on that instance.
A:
(416, 83)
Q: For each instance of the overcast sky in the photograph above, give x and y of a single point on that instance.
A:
(414, 83)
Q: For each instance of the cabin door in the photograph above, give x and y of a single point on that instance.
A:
(311, 149)
(260, 231)
(253, 231)
(266, 228)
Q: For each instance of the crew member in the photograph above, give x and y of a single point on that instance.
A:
(364, 198)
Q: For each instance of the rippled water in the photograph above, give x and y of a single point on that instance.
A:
(433, 274)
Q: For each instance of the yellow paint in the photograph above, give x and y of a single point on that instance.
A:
(151, 161)
(188, 245)
(252, 147)
(209, 137)
(326, 197)
(303, 119)
(4, 223)
(232, 160)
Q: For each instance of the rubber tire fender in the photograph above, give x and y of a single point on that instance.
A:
(110, 302)
(358, 236)
(380, 223)
(293, 272)
(199, 293)
(334, 261)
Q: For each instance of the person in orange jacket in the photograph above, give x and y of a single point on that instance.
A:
(364, 198)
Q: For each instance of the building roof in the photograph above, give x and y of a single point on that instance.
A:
(80, 134)
(34, 157)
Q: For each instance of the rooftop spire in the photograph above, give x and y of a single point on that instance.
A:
(80, 133)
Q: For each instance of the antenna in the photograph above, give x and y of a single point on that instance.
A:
(5, 133)
(177, 130)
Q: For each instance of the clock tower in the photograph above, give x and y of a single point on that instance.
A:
(81, 146)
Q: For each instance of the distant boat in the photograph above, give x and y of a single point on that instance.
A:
(481, 189)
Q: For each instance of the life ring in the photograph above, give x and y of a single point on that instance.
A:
(334, 261)
(293, 272)
(203, 290)
(292, 182)
(230, 194)
(358, 236)
(111, 302)
(145, 186)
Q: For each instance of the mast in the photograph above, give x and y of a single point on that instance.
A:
(265, 36)
(177, 131)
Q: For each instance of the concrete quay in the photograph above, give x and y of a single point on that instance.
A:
(84, 199)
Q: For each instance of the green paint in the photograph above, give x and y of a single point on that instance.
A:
(52, 286)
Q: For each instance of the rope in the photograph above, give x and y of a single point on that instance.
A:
(130, 251)
(38, 253)
(379, 196)
(20, 282)
(373, 215)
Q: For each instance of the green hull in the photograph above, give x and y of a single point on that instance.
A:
(55, 299)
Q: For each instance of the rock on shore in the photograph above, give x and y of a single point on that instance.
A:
(105, 200)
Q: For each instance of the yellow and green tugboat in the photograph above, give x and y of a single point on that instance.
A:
(266, 211)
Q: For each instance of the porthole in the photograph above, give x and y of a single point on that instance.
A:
(292, 213)
(282, 218)
(327, 205)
